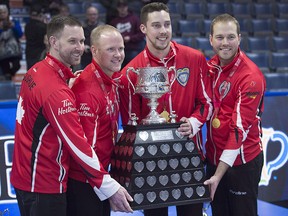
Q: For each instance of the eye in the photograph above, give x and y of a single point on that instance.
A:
(231, 37)
(167, 25)
(156, 25)
(72, 41)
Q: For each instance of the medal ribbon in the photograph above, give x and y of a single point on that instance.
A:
(54, 64)
(111, 110)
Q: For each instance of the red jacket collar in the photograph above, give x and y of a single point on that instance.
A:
(171, 55)
(106, 79)
(214, 64)
(64, 71)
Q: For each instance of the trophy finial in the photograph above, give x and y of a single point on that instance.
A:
(173, 116)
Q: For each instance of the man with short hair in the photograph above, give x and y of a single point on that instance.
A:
(48, 131)
(190, 93)
(97, 103)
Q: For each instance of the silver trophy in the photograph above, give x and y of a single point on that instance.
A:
(152, 83)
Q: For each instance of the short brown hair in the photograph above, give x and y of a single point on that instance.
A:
(58, 22)
(224, 18)
(150, 8)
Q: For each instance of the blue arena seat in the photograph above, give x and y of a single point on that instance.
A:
(258, 44)
(262, 27)
(206, 27)
(7, 90)
(241, 10)
(281, 10)
(214, 9)
(183, 40)
(281, 27)
(279, 44)
(263, 10)
(279, 62)
(189, 28)
(193, 10)
(245, 26)
(203, 44)
(262, 60)
(175, 10)
(276, 81)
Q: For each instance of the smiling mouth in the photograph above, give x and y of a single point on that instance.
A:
(162, 38)
(225, 49)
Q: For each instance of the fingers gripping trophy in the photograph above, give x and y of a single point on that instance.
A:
(156, 164)
(152, 83)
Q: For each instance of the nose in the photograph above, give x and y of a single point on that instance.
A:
(118, 52)
(80, 46)
(163, 29)
(225, 40)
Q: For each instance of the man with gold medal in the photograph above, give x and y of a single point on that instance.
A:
(233, 148)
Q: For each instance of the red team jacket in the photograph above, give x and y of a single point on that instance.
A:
(48, 132)
(190, 91)
(97, 115)
(237, 140)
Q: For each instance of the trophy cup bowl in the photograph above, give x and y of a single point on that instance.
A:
(152, 83)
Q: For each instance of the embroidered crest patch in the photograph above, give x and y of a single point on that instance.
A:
(224, 88)
(183, 76)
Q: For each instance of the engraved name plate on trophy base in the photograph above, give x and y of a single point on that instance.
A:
(159, 167)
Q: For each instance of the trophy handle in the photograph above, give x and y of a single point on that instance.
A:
(127, 74)
(174, 78)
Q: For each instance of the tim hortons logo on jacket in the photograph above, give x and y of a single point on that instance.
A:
(84, 110)
(67, 107)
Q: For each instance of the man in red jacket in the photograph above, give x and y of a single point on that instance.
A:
(234, 147)
(97, 104)
(48, 131)
(190, 92)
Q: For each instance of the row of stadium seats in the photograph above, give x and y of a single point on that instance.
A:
(241, 9)
(248, 44)
(202, 9)
(248, 27)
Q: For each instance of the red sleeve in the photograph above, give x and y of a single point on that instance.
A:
(60, 110)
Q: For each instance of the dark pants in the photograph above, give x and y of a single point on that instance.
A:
(183, 210)
(237, 192)
(36, 204)
(83, 201)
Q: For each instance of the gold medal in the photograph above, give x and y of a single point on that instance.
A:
(216, 123)
(165, 115)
